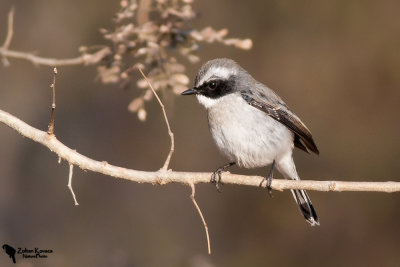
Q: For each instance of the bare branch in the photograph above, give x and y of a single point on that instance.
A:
(171, 134)
(162, 177)
(85, 59)
(71, 169)
(10, 29)
(201, 216)
(53, 105)
(10, 33)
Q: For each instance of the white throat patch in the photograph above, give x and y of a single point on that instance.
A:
(206, 101)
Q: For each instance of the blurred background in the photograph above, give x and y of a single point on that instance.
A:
(335, 63)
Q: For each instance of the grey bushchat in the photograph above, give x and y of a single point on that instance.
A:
(251, 125)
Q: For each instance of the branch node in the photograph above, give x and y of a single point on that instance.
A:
(332, 186)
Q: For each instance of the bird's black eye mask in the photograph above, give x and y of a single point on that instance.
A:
(216, 88)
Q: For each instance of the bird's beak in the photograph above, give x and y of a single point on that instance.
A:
(191, 91)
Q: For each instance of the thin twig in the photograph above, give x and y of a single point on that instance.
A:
(201, 216)
(53, 104)
(162, 177)
(10, 33)
(85, 59)
(10, 28)
(171, 134)
(71, 169)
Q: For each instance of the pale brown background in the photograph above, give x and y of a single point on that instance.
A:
(336, 64)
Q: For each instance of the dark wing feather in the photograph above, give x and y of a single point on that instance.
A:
(279, 111)
(299, 144)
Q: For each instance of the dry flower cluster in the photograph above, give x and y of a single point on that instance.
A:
(151, 34)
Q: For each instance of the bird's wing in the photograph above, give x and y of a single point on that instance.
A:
(267, 101)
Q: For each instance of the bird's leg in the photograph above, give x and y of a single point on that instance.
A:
(269, 179)
(218, 172)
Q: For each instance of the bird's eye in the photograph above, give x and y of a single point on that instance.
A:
(212, 85)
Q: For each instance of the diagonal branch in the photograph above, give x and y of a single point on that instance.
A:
(192, 197)
(171, 134)
(162, 177)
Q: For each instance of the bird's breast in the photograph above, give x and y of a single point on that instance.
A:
(245, 134)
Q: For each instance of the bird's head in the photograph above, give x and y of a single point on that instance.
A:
(218, 78)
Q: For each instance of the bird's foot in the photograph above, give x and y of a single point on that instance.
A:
(217, 180)
(268, 179)
(269, 188)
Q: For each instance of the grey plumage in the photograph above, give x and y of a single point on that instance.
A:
(251, 124)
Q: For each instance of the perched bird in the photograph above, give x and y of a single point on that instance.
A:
(10, 251)
(252, 125)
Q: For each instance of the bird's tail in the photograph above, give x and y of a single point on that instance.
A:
(13, 258)
(305, 206)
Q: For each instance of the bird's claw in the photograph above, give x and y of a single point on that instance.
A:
(268, 179)
(269, 188)
(217, 181)
(218, 172)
